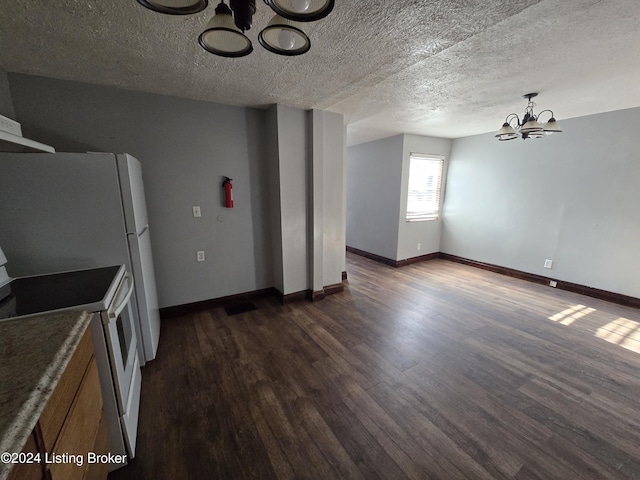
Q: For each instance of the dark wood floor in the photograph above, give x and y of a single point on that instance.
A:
(435, 370)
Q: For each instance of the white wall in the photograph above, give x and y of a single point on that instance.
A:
(374, 178)
(426, 233)
(573, 197)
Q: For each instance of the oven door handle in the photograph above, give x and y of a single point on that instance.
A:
(113, 313)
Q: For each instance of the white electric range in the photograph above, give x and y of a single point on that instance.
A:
(106, 292)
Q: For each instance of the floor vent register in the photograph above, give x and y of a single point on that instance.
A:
(240, 308)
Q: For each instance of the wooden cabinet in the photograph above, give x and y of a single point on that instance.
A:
(59, 404)
(71, 424)
(27, 471)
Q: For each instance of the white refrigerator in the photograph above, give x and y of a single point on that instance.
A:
(66, 211)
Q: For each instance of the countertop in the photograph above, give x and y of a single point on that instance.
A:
(34, 353)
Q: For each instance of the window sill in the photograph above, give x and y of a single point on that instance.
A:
(416, 220)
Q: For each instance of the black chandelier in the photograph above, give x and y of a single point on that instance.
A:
(224, 34)
(529, 126)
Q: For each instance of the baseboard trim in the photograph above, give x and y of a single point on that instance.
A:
(335, 288)
(372, 256)
(177, 310)
(290, 297)
(314, 296)
(421, 258)
(393, 263)
(612, 297)
(510, 272)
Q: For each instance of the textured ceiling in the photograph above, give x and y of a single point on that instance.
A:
(446, 68)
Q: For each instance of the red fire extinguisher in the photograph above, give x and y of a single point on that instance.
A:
(228, 196)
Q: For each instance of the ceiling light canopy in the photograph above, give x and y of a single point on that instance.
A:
(529, 126)
(225, 36)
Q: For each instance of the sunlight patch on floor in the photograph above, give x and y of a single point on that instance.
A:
(571, 314)
(623, 332)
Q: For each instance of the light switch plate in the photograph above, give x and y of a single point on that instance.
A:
(196, 211)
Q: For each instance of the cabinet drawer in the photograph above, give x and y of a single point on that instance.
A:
(59, 403)
(80, 429)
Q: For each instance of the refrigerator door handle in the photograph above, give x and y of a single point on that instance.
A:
(146, 227)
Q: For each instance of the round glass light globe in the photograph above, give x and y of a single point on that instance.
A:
(286, 39)
(300, 6)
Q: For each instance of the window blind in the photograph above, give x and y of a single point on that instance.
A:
(425, 180)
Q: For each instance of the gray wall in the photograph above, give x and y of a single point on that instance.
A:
(426, 233)
(572, 197)
(307, 214)
(377, 185)
(293, 141)
(273, 178)
(333, 230)
(6, 104)
(185, 148)
(327, 194)
(315, 233)
(374, 176)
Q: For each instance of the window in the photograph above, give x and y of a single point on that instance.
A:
(425, 179)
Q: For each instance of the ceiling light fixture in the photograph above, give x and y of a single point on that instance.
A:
(222, 37)
(529, 126)
(225, 36)
(301, 10)
(175, 7)
(283, 37)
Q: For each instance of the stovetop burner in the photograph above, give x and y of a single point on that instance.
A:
(56, 291)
